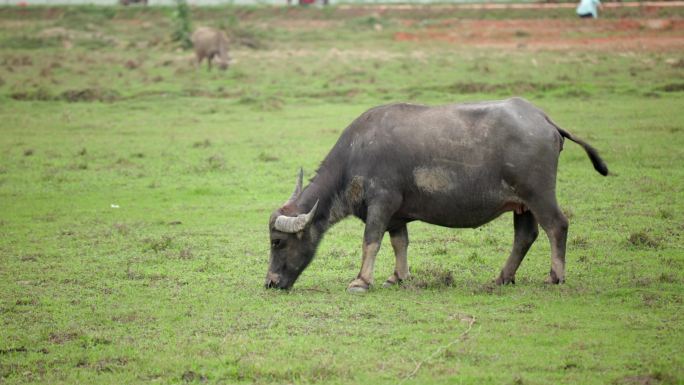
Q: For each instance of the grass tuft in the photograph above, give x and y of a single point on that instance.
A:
(158, 244)
(643, 239)
(429, 277)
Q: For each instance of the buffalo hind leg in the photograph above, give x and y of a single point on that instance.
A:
(377, 218)
(526, 231)
(400, 242)
(555, 224)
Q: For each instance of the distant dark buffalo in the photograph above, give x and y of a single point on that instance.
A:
(210, 43)
(459, 165)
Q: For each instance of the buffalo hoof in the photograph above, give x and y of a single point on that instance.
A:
(505, 281)
(357, 290)
(553, 280)
(358, 286)
(393, 280)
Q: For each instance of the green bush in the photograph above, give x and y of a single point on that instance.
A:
(182, 26)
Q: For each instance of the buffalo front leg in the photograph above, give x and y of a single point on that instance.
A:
(526, 231)
(400, 242)
(377, 219)
(364, 280)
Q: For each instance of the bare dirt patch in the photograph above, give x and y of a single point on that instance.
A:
(72, 96)
(646, 379)
(90, 95)
(623, 34)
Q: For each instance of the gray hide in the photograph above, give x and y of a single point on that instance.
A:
(459, 165)
(211, 43)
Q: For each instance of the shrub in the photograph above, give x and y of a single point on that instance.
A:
(182, 26)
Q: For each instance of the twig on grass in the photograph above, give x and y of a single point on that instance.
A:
(315, 289)
(471, 321)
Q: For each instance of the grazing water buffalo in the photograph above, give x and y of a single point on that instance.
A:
(459, 165)
(210, 43)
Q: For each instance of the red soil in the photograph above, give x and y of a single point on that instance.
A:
(623, 34)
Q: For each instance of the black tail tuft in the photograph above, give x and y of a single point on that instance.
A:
(596, 160)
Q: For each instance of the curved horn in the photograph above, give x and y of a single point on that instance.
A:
(298, 188)
(295, 224)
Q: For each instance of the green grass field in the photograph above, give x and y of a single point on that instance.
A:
(135, 193)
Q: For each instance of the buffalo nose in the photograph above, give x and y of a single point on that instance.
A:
(272, 280)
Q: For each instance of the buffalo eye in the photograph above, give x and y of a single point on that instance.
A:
(277, 243)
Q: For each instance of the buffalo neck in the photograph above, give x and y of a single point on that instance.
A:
(325, 188)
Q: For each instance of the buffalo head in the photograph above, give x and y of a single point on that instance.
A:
(293, 241)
